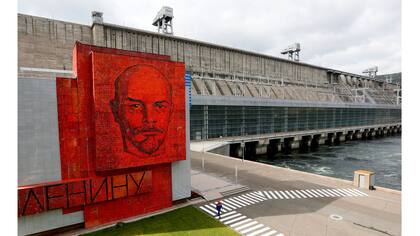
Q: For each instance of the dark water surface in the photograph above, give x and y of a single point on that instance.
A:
(383, 156)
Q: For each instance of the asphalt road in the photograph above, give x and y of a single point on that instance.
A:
(297, 203)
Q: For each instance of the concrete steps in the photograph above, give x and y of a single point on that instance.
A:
(235, 191)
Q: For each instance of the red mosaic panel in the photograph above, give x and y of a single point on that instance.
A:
(159, 197)
(70, 194)
(139, 111)
(87, 128)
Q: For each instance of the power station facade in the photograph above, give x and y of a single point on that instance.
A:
(235, 96)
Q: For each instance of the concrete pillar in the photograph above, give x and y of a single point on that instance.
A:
(342, 78)
(330, 139)
(380, 132)
(273, 148)
(338, 138)
(356, 135)
(206, 122)
(348, 135)
(98, 29)
(305, 143)
(295, 144)
(371, 133)
(235, 150)
(364, 83)
(386, 131)
(250, 150)
(315, 142)
(286, 147)
(261, 149)
(348, 79)
(365, 134)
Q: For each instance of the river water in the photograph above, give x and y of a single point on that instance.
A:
(383, 156)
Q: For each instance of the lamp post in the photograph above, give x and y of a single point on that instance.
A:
(243, 150)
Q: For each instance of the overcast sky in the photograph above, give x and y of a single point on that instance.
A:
(349, 35)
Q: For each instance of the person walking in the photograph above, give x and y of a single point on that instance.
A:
(219, 207)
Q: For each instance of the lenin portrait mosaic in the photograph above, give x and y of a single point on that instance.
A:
(140, 111)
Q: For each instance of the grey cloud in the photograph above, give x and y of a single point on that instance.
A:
(350, 35)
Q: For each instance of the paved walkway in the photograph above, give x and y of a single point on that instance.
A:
(288, 202)
(211, 187)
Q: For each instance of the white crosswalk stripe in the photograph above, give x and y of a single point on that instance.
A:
(259, 231)
(360, 192)
(326, 193)
(337, 192)
(290, 195)
(235, 220)
(348, 192)
(246, 200)
(252, 200)
(301, 193)
(225, 206)
(240, 201)
(251, 197)
(272, 194)
(351, 193)
(240, 223)
(333, 193)
(267, 195)
(247, 226)
(224, 218)
(232, 203)
(256, 196)
(252, 228)
(320, 193)
(293, 192)
(284, 194)
(214, 207)
(343, 192)
(278, 194)
(307, 193)
(204, 209)
(227, 214)
(210, 208)
(313, 193)
(269, 233)
(228, 205)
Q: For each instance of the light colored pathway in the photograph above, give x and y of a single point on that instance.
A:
(248, 226)
(298, 203)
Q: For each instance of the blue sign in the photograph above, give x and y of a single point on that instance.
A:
(188, 86)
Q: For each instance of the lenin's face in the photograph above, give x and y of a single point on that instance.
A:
(142, 106)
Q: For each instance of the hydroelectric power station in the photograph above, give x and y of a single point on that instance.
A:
(255, 102)
(241, 103)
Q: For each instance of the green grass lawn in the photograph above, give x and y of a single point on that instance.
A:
(184, 221)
